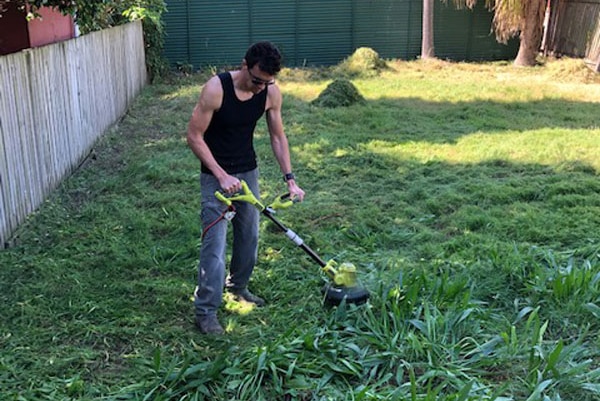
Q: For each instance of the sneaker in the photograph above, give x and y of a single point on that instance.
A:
(209, 324)
(245, 295)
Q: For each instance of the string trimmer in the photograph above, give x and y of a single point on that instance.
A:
(344, 285)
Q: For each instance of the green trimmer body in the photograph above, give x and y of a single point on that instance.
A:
(344, 285)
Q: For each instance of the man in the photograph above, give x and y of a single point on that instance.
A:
(220, 134)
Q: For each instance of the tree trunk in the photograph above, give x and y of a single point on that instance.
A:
(427, 48)
(532, 29)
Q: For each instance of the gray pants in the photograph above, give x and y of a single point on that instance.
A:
(211, 267)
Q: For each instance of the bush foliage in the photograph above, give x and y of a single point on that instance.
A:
(94, 15)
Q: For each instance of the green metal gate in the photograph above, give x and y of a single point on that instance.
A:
(323, 32)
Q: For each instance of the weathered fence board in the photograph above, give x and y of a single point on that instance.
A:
(574, 29)
(55, 101)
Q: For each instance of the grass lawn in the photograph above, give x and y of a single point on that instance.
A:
(468, 196)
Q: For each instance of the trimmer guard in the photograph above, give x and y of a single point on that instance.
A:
(334, 295)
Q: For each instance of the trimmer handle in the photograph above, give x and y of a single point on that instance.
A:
(282, 202)
(219, 195)
(245, 196)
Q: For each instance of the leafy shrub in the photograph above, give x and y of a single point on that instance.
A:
(153, 28)
(94, 15)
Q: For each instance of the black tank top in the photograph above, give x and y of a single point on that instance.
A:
(230, 132)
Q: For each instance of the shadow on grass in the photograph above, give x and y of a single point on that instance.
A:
(416, 120)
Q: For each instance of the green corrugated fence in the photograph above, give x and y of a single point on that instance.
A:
(324, 32)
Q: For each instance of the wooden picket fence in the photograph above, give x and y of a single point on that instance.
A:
(55, 101)
(574, 30)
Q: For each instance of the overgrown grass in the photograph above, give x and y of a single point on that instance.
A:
(467, 195)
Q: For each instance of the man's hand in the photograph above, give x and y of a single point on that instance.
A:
(295, 191)
(230, 184)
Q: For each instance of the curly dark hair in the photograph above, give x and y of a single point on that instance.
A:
(266, 55)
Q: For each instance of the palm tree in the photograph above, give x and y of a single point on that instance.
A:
(520, 17)
(427, 49)
(524, 18)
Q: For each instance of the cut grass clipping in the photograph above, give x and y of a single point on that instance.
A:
(363, 63)
(339, 93)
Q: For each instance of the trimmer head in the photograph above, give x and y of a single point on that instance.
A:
(334, 295)
(345, 285)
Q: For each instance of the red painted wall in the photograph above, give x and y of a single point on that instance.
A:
(50, 28)
(17, 34)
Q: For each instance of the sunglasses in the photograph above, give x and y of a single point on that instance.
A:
(257, 81)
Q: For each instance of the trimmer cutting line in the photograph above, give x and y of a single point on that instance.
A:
(344, 286)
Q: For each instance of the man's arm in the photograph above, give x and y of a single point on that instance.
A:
(210, 101)
(279, 142)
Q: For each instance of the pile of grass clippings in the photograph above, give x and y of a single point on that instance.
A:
(364, 62)
(571, 69)
(339, 93)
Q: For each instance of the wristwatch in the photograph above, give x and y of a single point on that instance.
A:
(288, 176)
